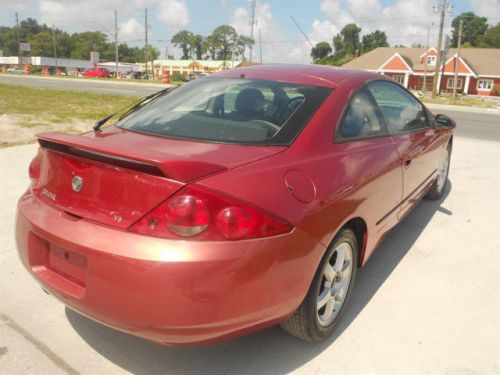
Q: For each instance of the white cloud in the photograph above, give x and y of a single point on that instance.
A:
(275, 45)
(486, 8)
(173, 14)
(75, 15)
(405, 21)
(130, 30)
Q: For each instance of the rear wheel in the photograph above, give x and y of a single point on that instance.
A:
(329, 293)
(437, 189)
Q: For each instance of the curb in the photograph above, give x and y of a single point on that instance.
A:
(463, 108)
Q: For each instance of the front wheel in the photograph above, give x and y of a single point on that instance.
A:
(329, 293)
(437, 189)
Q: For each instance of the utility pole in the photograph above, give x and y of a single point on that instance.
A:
(55, 45)
(442, 9)
(18, 41)
(302, 31)
(146, 42)
(457, 59)
(424, 86)
(252, 23)
(116, 43)
(260, 46)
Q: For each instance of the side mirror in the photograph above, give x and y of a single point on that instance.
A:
(443, 121)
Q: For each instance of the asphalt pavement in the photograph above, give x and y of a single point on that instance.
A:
(103, 86)
(427, 302)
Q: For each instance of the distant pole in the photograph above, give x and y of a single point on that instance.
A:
(18, 41)
(442, 5)
(424, 87)
(252, 23)
(260, 46)
(54, 44)
(457, 59)
(146, 42)
(116, 43)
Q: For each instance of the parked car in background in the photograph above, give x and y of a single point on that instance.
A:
(134, 75)
(231, 203)
(16, 70)
(96, 72)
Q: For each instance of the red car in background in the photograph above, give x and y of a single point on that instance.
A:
(97, 72)
(232, 203)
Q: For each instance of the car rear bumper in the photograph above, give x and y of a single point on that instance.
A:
(167, 291)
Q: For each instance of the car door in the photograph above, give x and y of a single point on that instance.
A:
(416, 141)
(370, 161)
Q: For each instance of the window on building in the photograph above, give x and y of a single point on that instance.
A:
(485, 84)
(450, 83)
(431, 60)
(399, 78)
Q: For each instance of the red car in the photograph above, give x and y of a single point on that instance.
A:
(97, 72)
(232, 203)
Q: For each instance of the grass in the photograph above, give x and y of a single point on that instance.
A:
(462, 101)
(59, 106)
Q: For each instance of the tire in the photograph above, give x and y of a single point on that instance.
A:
(313, 324)
(439, 186)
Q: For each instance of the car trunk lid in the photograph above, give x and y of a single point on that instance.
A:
(115, 176)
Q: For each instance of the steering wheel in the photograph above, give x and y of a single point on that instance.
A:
(288, 108)
(268, 125)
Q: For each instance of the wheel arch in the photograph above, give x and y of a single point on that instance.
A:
(358, 226)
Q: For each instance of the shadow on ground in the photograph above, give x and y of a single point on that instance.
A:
(271, 351)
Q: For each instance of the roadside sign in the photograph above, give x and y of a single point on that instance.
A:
(25, 47)
(94, 58)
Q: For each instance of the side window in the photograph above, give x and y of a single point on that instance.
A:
(361, 120)
(401, 111)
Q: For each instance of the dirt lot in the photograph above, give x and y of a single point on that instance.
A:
(21, 129)
(26, 111)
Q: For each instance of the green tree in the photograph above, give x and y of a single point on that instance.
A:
(350, 36)
(345, 43)
(491, 38)
(225, 43)
(474, 27)
(183, 40)
(224, 40)
(374, 40)
(42, 44)
(197, 46)
(320, 51)
(86, 42)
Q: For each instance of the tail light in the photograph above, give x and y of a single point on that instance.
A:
(34, 169)
(199, 214)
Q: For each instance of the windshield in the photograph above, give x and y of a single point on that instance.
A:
(230, 110)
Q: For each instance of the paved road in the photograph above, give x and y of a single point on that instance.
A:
(475, 124)
(77, 84)
(426, 303)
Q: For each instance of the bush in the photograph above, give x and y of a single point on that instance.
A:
(177, 77)
(496, 90)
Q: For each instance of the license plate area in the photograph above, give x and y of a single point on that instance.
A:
(58, 267)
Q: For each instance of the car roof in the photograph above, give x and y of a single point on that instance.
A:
(320, 75)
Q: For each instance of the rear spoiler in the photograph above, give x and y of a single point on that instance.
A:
(96, 147)
(102, 158)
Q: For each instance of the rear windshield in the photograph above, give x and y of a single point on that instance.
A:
(230, 110)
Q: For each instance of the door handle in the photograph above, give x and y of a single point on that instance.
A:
(407, 162)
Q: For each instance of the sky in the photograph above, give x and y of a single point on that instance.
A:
(404, 21)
